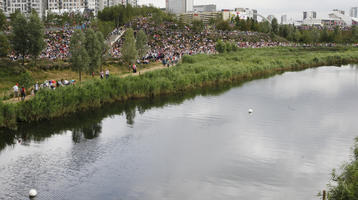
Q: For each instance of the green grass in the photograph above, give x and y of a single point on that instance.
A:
(196, 72)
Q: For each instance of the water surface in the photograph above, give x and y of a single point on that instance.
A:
(203, 146)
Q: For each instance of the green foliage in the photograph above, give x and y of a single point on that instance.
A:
(129, 51)
(195, 72)
(121, 15)
(3, 23)
(20, 38)
(275, 26)
(105, 27)
(79, 56)
(94, 48)
(197, 26)
(142, 44)
(4, 45)
(345, 184)
(220, 47)
(25, 80)
(104, 47)
(36, 35)
(223, 25)
(188, 59)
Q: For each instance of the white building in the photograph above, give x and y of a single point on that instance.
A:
(309, 15)
(284, 19)
(25, 6)
(246, 13)
(205, 8)
(354, 12)
(179, 6)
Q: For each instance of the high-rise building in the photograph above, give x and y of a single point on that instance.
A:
(354, 12)
(205, 8)
(309, 15)
(284, 19)
(25, 6)
(180, 6)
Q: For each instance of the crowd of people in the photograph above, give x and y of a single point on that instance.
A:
(168, 43)
(58, 44)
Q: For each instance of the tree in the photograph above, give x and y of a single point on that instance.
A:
(25, 79)
(129, 51)
(104, 47)
(36, 35)
(198, 26)
(79, 56)
(4, 45)
(142, 44)
(94, 50)
(223, 25)
(3, 23)
(220, 46)
(274, 25)
(20, 37)
(344, 186)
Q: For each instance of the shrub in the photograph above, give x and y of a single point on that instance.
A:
(188, 59)
(220, 46)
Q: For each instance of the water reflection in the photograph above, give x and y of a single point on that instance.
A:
(203, 148)
(87, 125)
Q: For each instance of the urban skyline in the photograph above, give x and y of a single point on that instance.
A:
(277, 8)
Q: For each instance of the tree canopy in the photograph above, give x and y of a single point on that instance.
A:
(79, 56)
(129, 50)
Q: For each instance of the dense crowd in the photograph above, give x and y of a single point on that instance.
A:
(58, 44)
(168, 42)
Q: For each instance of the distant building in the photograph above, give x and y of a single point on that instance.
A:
(205, 8)
(202, 16)
(246, 13)
(284, 19)
(309, 15)
(180, 6)
(342, 12)
(270, 18)
(25, 6)
(354, 12)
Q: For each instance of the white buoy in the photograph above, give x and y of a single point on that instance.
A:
(251, 111)
(32, 193)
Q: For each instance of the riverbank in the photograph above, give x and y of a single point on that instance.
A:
(194, 72)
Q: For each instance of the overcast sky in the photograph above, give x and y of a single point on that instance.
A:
(293, 8)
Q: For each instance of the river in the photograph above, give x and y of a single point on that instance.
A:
(203, 145)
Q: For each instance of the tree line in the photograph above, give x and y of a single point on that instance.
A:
(291, 32)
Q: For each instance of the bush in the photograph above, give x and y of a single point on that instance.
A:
(345, 186)
(220, 46)
(188, 59)
(25, 80)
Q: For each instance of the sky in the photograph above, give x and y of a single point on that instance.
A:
(293, 8)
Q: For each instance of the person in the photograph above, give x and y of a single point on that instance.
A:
(102, 75)
(107, 73)
(134, 67)
(16, 91)
(36, 88)
(23, 93)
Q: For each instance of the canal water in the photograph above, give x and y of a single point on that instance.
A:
(199, 146)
